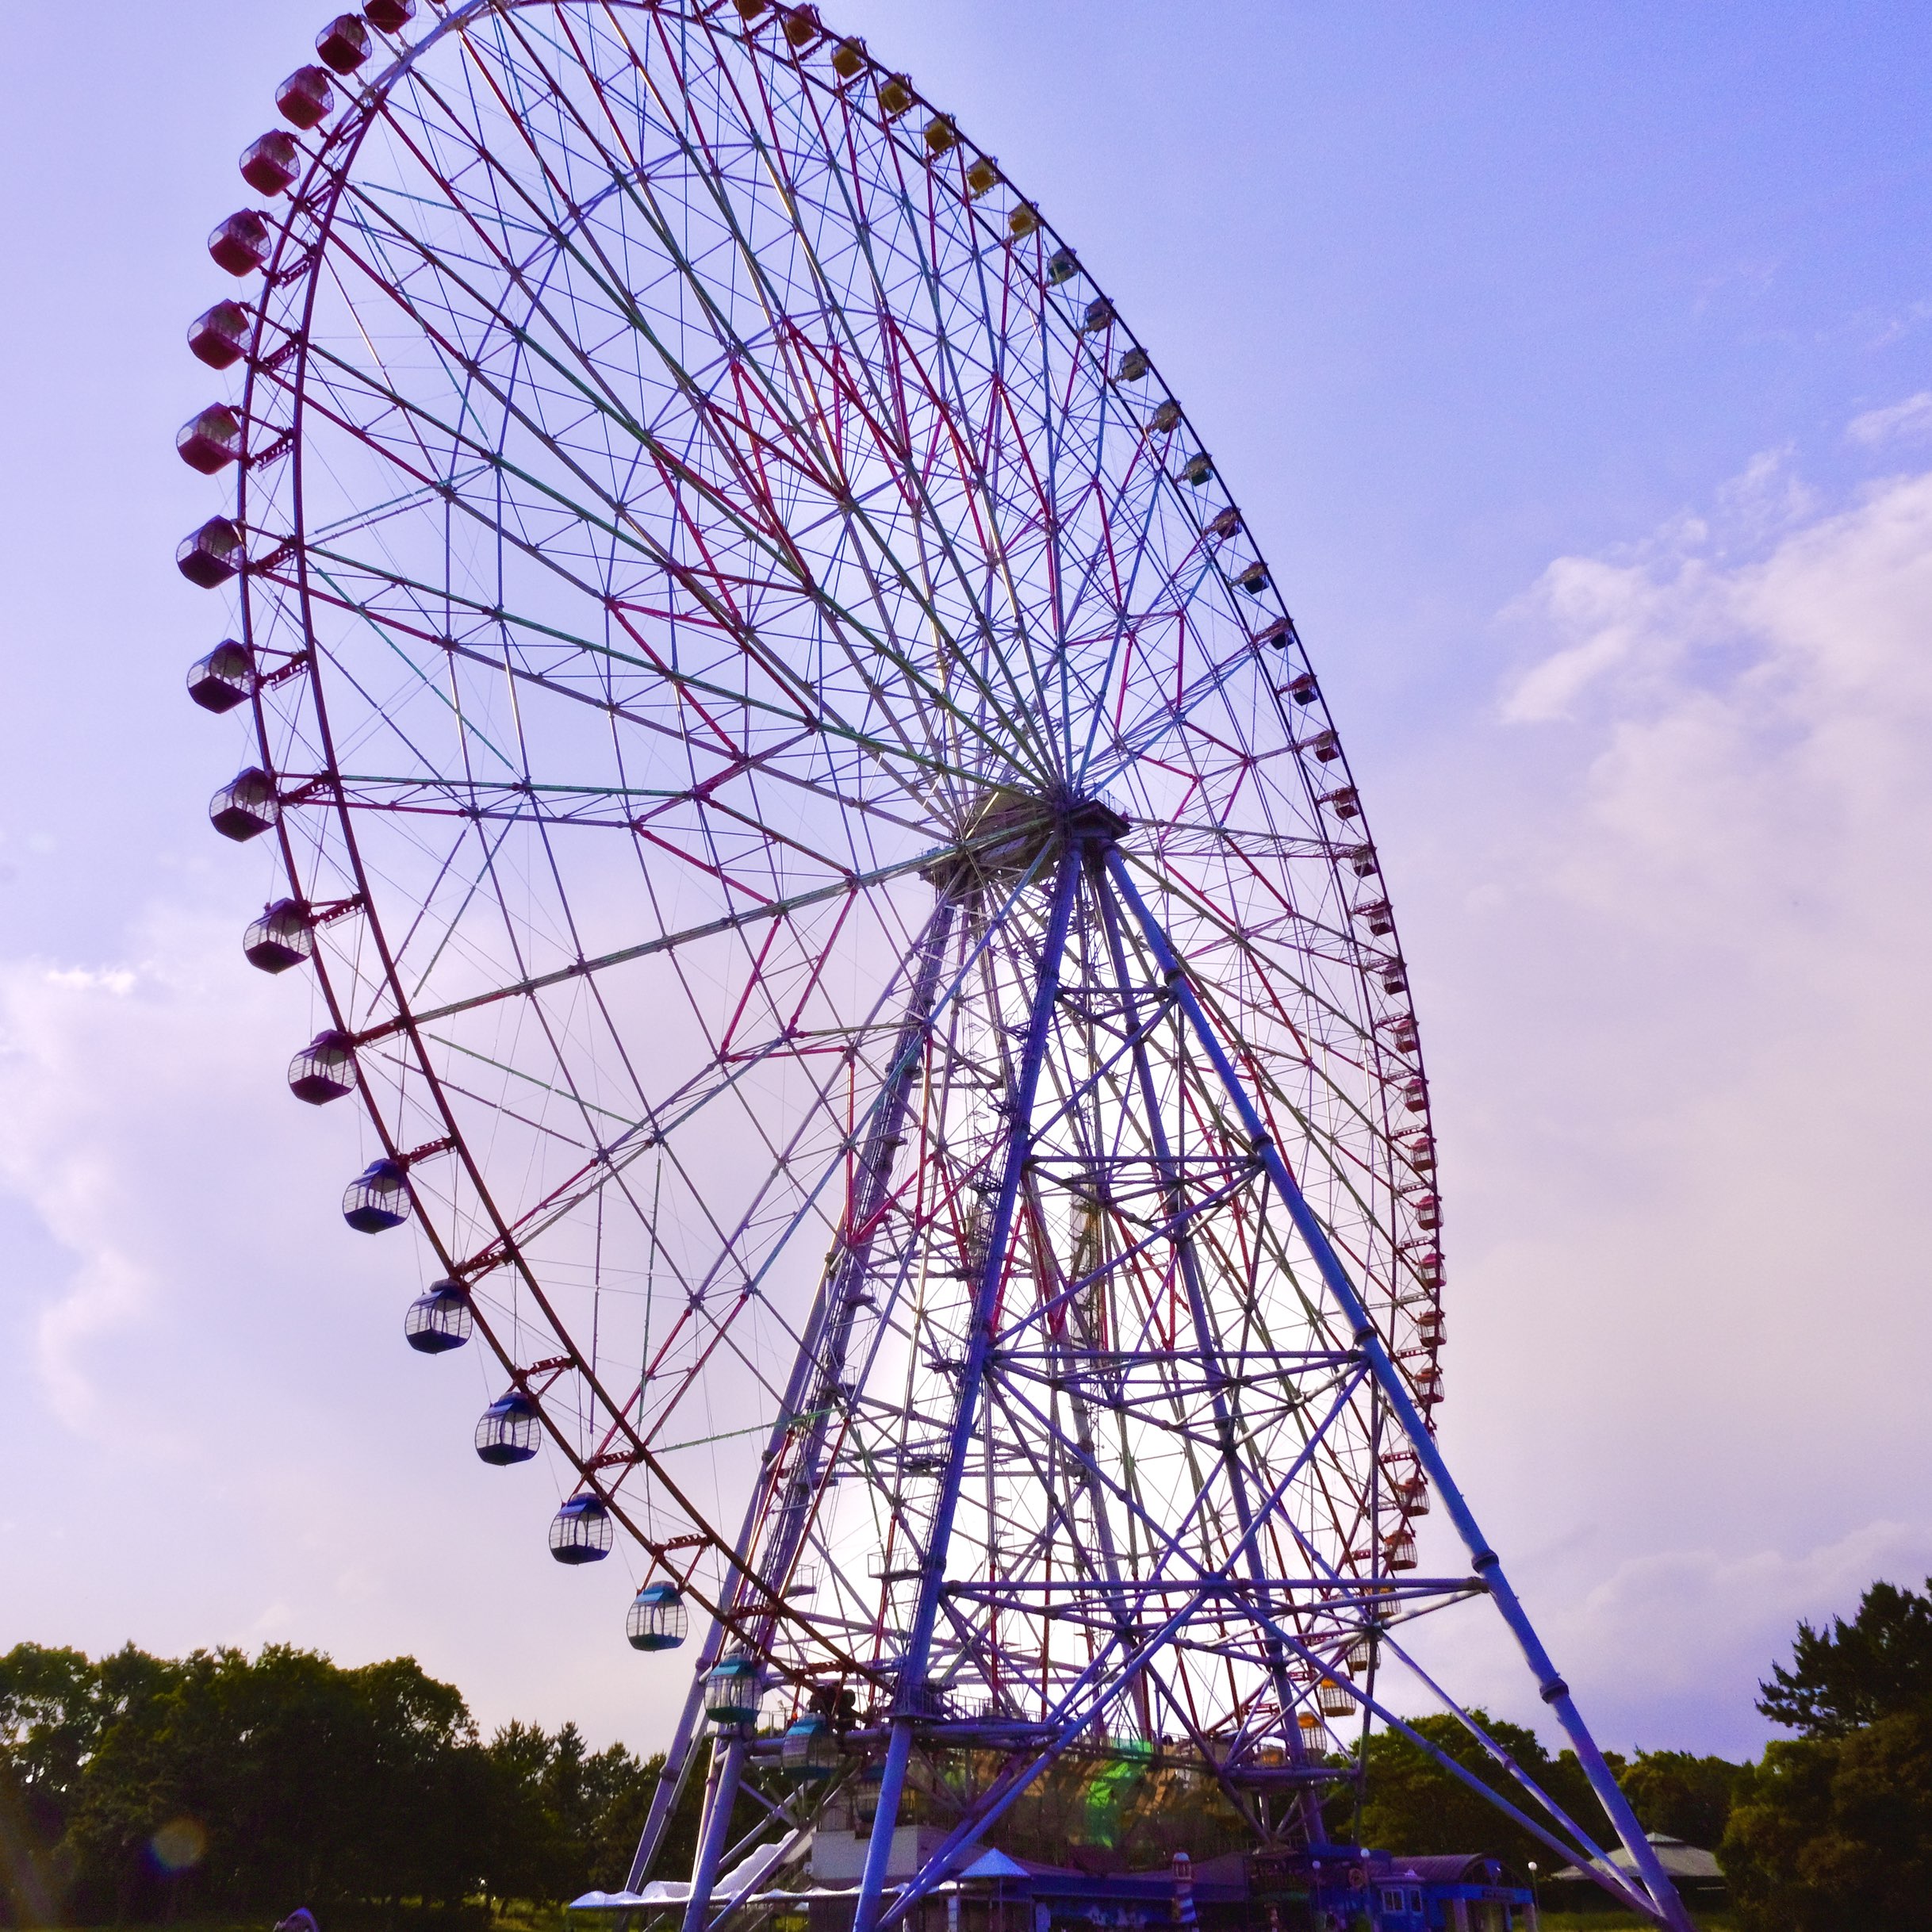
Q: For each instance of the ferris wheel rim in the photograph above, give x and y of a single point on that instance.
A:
(346, 817)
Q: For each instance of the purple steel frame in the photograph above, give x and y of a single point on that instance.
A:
(1121, 660)
(1484, 1560)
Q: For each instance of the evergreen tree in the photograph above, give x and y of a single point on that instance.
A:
(1877, 1665)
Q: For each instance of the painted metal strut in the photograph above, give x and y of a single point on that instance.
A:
(909, 1701)
(1488, 1566)
(794, 1461)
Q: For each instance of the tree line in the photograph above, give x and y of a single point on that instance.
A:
(1829, 1831)
(137, 1788)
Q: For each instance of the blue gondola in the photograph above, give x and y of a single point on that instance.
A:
(581, 1530)
(810, 1751)
(732, 1690)
(657, 1621)
(507, 1432)
(325, 1070)
(378, 1199)
(439, 1320)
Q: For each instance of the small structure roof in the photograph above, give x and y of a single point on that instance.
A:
(991, 1863)
(1438, 1867)
(1688, 1862)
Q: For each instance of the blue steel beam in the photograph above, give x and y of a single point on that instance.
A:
(1084, 1699)
(1173, 1205)
(818, 1362)
(932, 1568)
(1666, 1905)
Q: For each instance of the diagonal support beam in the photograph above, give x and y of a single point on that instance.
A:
(1667, 1906)
(817, 1367)
(979, 1344)
(1097, 1684)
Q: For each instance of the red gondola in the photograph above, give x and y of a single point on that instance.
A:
(307, 98)
(223, 679)
(270, 162)
(343, 44)
(210, 441)
(247, 806)
(283, 936)
(211, 555)
(241, 244)
(220, 337)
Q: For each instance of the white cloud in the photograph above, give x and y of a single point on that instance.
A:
(1897, 422)
(1668, 946)
(217, 1434)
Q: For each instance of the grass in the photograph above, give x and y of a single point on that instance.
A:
(1710, 1919)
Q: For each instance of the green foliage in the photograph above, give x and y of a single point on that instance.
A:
(137, 1787)
(1834, 1833)
(1412, 1804)
(1114, 1807)
(1681, 1796)
(1876, 1666)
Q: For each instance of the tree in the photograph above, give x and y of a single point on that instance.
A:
(135, 1787)
(1834, 1833)
(1413, 1805)
(1681, 1796)
(1879, 1664)
(55, 1706)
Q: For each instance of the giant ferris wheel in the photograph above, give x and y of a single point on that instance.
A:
(819, 848)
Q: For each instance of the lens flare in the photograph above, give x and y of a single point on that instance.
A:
(180, 1845)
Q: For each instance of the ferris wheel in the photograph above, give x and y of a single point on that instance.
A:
(822, 856)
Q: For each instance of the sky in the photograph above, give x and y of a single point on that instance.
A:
(1574, 367)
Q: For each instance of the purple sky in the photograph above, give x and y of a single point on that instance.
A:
(1574, 367)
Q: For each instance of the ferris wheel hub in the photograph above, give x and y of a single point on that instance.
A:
(1010, 834)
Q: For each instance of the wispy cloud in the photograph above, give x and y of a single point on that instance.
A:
(1668, 930)
(1910, 421)
(222, 1435)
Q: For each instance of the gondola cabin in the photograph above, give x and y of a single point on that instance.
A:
(219, 336)
(325, 1070)
(378, 1199)
(247, 806)
(440, 1319)
(306, 98)
(732, 1690)
(282, 937)
(223, 679)
(211, 555)
(343, 44)
(657, 1619)
(581, 1530)
(270, 162)
(508, 1429)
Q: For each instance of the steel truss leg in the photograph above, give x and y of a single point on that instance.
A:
(714, 1833)
(932, 1565)
(678, 1760)
(1173, 1202)
(830, 1332)
(1488, 1565)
